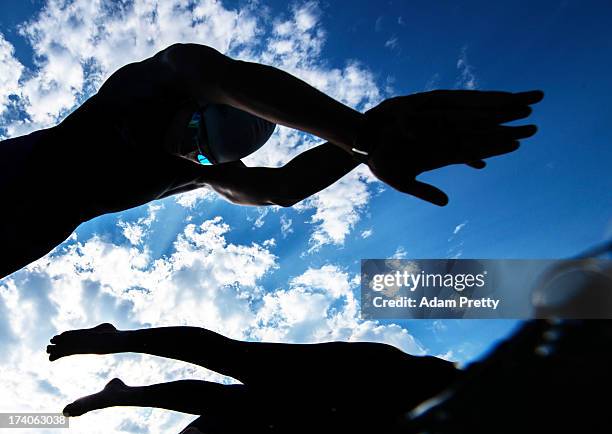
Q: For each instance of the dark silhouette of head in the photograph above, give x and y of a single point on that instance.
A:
(230, 134)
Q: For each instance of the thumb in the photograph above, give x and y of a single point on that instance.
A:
(426, 192)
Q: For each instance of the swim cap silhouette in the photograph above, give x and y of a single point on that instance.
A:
(229, 134)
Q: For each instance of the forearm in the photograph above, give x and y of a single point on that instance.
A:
(316, 169)
(202, 72)
(256, 186)
(31, 225)
(185, 396)
(303, 176)
(190, 344)
(281, 98)
(29, 236)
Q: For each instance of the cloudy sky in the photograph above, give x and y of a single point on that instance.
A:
(291, 275)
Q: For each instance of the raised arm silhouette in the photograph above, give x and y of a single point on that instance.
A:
(286, 388)
(145, 133)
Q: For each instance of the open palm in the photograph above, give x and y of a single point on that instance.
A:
(425, 131)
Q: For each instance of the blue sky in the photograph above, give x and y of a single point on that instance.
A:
(274, 267)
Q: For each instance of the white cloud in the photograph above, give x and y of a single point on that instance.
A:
(449, 356)
(391, 43)
(306, 16)
(467, 79)
(135, 231)
(79, 44)
(462, 353)
(261, 212)
(400, 253)
(194, 197)
(432, 83)
(459, 227)
(11, 73)
(338, 208)
(320, 305)
(389, 85)
(379, 23)
(455, 251)
(271, 242)
(286, 224)
(367, 233)
(295, 45)
(439, 326)
(205, 282)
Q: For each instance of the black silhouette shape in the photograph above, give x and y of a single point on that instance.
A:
(286, 388)
(549, 377)
(134, 142)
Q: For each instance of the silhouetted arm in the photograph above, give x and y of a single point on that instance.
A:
(411, 134)
(303, 176)
(292, 388)
(262, 90)
(403, 137)
(31, 189)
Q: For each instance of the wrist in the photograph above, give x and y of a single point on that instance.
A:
(364, 141)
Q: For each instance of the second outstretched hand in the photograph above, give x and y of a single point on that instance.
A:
(409, 135)
(286, 388)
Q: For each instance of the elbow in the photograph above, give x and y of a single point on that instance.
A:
(199, 67)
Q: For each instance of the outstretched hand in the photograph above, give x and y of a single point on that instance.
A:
(286, 388)
(426, 131)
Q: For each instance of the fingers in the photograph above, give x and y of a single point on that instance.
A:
(514, 133)
(471, 118)
(95, 340)
(426, 192)
(109, 396)
(477, 164)
(500, 115)
(497, 141)
(496, 134)
(54, 354)
(480, 99)
(488, 151)
(530, 97)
